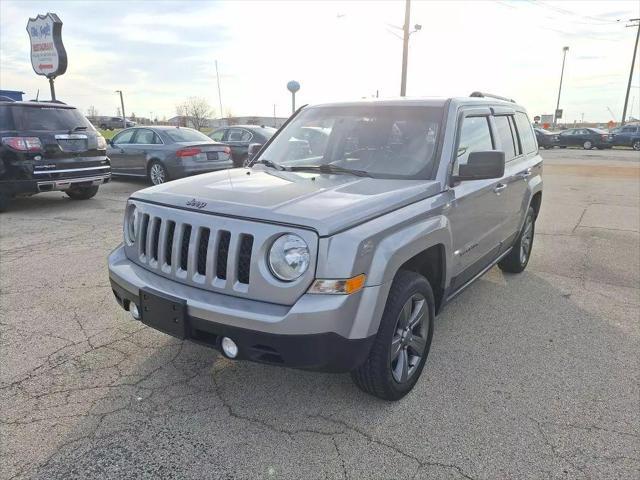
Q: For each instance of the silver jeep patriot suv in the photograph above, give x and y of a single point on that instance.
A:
(347, 233)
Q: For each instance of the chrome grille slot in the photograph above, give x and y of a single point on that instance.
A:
(223, 254)
(144, 225)
(184, 247)
(215, 253)
(168, 252)
(155, 229)
(203, 246)
(244, 258)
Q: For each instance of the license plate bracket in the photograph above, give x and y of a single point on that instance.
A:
(164, 312)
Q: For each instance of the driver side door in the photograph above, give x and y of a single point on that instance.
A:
(120, 152)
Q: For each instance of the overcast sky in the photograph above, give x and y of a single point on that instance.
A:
(159, 53)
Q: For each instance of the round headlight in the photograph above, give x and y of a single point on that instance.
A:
(131, 224)
(289, 257)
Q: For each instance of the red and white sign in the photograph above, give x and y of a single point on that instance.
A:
(48, 56)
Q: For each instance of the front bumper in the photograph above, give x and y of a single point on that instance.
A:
(319, 332)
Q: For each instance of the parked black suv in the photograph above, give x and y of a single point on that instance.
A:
(46, 147)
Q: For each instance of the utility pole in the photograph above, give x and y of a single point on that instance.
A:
(124, 117)
(219, 95)
(405, 47)
(633, 61)
(555, 114)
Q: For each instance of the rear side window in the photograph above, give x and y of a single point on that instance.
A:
(475, 136)
(527, 138)
(6, 119)
(217, 135)
(186, 135)
(147, 137)
(50, 118)
(505, 137)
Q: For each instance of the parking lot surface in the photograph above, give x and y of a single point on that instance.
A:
(529, 376)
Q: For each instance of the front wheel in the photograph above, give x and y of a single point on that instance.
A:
(402, 344)
(636, 145)
(158, 173)
(516, 261)
(82, 193)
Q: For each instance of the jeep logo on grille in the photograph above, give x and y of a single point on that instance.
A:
(195, 203)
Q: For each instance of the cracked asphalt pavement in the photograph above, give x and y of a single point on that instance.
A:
(530, 376)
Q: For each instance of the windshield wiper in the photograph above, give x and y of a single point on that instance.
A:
(328, 168)
(271, 164)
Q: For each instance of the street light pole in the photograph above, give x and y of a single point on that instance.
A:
(633, 61)
(405, 47)
(564, 57)
(124, 117)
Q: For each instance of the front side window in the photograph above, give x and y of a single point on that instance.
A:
(385, 141)
(217, 135)
(124, 138)
(525, 131)
(475, 136)
(505, 136)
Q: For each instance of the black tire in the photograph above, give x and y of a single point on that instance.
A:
(157, 173)
(587, 145)
(636, 145)
(376, 375)
(520, 254)
(103, 127)
(82, 193)
(562, 146)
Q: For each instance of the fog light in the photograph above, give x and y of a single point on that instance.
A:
(133, 309)
(229, 347)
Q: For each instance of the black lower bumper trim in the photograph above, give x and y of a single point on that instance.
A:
(326, 352)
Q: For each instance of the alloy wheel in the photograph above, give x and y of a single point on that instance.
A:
(410, 338)
(588, 145)
(526, 240)
(636, 145)
(157, 174)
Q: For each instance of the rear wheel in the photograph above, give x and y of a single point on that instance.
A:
(636, 145)
(402, 344)
(82, 193)
(587, 145)
(157, 173)
(516, 261)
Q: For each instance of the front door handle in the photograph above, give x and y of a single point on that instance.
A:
(500, 187)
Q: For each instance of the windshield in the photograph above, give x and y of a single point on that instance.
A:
(187, 135)
(383, 141)
(50, 118)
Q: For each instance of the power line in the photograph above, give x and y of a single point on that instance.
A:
(564, 11)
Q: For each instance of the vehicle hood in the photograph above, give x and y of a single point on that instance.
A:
(326, 203)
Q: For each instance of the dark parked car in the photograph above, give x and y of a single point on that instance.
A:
(627, 136)
(546, 139)
(114, 123)
(46, 147)
(165, 153)
(586, 138)
(239, 137)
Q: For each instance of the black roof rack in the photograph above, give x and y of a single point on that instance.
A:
(4, 98)
(491, 95)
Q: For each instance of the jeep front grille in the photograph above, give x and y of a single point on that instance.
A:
(220, 254)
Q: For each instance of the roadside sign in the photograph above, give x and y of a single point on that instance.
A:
(48, 56)
(558, 113)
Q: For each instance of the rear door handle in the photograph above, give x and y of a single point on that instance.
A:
(525, 174)
(500, 187)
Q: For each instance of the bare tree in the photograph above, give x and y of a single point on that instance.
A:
(196, 110)
(92, 111)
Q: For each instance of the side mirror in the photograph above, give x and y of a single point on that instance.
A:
(482, 166)
(253, 150)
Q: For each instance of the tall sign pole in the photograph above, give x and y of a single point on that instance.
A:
(558, 114)
(405, 48)
(48, 56)
(219, 95)
(124, 117)
(633, 61)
